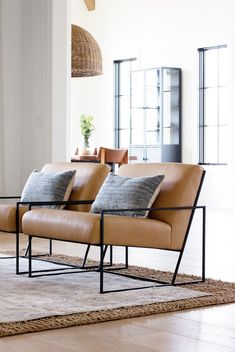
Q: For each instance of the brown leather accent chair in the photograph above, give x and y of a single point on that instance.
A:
(88, 180)
(104, 155)
(167, 226)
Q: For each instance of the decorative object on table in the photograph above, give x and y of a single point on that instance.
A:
(86, 58)
(87, 127)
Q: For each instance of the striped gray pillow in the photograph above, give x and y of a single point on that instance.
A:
(118, 192)
(48, 186)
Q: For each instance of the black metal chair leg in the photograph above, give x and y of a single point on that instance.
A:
(26, 253)
(30, 256)
(50, 247)
(17, 254)
(111, 255)
(126, 257)
(86, 255)
(101, 268)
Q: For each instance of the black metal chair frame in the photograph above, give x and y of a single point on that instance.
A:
(17, 230)
(28, 252)
(101, 267)
(158, 283)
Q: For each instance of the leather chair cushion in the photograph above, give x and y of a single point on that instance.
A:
(85, 228)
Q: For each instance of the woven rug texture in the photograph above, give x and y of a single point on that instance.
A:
(211, 292)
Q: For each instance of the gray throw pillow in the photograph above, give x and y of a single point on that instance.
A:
(48, 186)
(118, 192)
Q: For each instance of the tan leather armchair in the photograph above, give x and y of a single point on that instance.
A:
(167, 226)
(111, 156)
(88, 180)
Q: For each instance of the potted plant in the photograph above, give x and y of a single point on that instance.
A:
(87, 127)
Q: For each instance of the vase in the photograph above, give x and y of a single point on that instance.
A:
(85, 149)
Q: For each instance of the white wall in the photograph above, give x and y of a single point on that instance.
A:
(61, 73)
(84, 98)
(1, 111)
(11, 96)
(158, 33)
(35, 85)
(34, 72)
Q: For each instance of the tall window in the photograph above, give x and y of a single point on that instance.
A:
(213, 105)
(123, 70)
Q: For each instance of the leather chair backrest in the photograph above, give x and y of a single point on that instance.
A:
(88, 180)
(107, 155)
(180, 187)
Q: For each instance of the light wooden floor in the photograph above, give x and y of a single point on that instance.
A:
(197, 330)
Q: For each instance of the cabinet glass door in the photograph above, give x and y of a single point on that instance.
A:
(149, 120)
(152, 126)
(152, 89)
(171, 106)
(137, 89)
(137, 127)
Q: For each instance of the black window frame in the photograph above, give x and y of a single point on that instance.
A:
(202, 88)
(117, 95)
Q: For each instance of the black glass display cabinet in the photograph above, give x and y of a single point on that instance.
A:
(149, 115)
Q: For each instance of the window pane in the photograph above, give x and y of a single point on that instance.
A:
(223, 67)
(124, 114)
(124, 138)
(137, 127)
(223, 144)
(211, 144)
(137, 89)
(213, 109)
(223, 106)
(211, 67)
(211, 106)
(124, 82)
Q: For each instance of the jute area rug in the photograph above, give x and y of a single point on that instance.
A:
(51, 302)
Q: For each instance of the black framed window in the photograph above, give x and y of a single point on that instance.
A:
(122, 69)
(213, 105)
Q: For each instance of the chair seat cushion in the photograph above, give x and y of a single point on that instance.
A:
(85, 228)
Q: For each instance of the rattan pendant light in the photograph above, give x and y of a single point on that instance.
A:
(86, 54)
